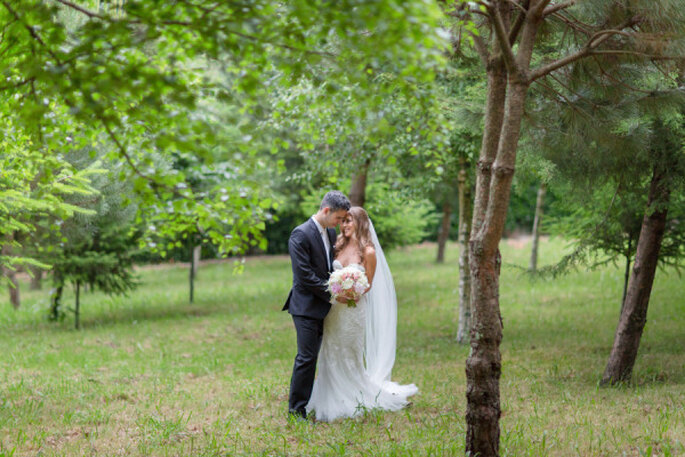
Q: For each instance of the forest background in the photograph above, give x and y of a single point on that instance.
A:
(138, 132)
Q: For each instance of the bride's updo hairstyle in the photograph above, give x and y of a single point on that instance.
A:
(361, 231)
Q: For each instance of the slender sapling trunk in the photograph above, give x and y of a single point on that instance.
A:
(197, 255)
(536, 227)
(77, 306)
(443, 236)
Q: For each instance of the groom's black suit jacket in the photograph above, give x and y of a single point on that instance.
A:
(309, 296)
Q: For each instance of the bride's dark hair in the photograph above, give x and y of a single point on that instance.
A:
(361, 232)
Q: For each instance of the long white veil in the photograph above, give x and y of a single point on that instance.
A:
(381, 324)
(381, 318)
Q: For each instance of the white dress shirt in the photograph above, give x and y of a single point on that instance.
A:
(326, 241)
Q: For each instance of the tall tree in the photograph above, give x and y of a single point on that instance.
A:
(510, 34)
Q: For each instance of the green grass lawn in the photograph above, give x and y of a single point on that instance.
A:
(150, 374)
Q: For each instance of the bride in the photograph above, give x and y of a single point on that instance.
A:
(345, 385)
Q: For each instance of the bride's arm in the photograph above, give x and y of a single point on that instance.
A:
(370, 264)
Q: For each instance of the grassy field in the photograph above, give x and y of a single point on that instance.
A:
(151, 375)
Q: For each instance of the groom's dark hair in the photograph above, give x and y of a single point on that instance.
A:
(335, 200)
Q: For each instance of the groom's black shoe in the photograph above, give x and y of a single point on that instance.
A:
(298, 414)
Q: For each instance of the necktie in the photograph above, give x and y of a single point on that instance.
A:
(327, 248)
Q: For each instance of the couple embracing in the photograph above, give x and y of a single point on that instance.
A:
(354, 345)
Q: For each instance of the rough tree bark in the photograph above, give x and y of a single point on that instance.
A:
(444, 234)
(465, 215)
(634, 313)
(358, 187)
(536, 227)
(508, 82)
(483, 367)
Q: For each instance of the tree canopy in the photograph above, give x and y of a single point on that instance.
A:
(134, 78)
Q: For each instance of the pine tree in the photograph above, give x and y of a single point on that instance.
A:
(96, 249)
(625, 164)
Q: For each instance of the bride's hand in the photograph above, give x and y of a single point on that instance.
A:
(348, 295)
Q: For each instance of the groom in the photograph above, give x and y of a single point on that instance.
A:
(311, 254)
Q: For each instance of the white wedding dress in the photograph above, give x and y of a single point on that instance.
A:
(358, 352)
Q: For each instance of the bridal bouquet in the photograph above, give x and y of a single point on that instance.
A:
(347, 285)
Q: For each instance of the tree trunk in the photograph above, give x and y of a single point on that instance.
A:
(634, 314)
(191, 276)
(484, 365)
(443, 236)
(536, 227)
(77, 306)
(197, 255)
(626, 275)
(508, 84)
(358, 187)
(13, 288)
(482, 384)
(465, 215)
(36, 279)
(56, 300)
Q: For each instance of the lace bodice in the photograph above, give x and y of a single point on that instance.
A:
(339, 266)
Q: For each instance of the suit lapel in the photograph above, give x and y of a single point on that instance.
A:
(331, 238)
(319, 240)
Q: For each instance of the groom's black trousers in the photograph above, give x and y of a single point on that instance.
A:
(309, 333)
